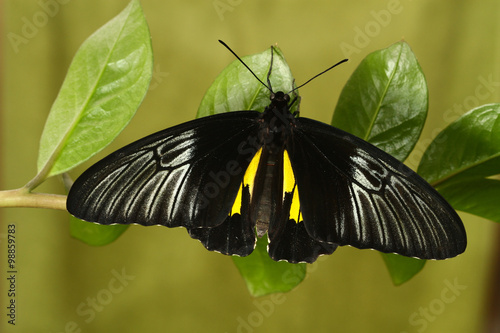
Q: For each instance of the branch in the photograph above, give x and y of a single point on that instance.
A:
(22, 197)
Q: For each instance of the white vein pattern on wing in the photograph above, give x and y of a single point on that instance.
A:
(125, 194)
(109, 187)
(141, 162)
(418, 227)
(104, 190)
(100, 191)
(392, 177)
(161, 179)
(356, 187)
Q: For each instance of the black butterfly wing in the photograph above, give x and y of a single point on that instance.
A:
(290, 241)
(352, 193)
(235, 236)
(288, 238)
(187, 175)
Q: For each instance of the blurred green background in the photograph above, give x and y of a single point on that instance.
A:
(169, 282)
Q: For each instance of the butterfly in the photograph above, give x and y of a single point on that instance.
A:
(230, 178)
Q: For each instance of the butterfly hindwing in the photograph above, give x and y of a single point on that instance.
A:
(288, 238)
(352, 193)
(236, 235)
(187, 175)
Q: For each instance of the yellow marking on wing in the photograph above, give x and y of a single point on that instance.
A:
(249, 177)
(248, 180)
(237, 203)
(288, 177)
(289, 186)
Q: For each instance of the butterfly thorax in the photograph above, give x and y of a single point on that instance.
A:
(276, 122)
(276, 127)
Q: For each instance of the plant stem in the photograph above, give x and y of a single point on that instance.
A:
(22, 197)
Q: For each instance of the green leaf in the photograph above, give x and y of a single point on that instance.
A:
(385, 101)
(264, 276)
(474, 196)
(402, 268)
(236, 89)
(468, 148)
(105, 84)
(93, 233)
(460, 158)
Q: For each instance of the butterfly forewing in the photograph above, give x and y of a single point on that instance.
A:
(187, 175)
(352, 193)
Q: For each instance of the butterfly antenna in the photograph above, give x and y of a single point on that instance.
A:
(315, 76)
(269, 71)
(265, 85)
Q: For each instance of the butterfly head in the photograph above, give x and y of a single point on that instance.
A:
(276, 121)
(280, 99)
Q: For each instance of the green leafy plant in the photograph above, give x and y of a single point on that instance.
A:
(384, 102)
(104, 86)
